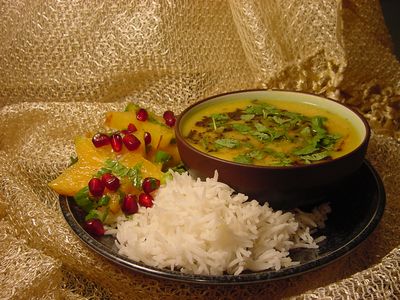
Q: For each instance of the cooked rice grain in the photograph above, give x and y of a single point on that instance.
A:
(204, 227)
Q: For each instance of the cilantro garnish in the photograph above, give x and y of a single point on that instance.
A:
(301, 139)
(243, 159)
(228, 143)
(134, 174)
(82, 199)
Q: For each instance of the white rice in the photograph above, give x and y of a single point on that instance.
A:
(203, 227)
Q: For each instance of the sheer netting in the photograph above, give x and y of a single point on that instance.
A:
(63, 64)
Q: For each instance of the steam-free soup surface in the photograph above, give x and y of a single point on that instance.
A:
(270, 133)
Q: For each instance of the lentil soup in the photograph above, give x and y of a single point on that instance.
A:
(270, 133)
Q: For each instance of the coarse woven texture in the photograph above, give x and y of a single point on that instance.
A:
(26, 272)
(64, 63)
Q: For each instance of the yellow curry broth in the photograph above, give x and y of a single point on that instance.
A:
(334, 124)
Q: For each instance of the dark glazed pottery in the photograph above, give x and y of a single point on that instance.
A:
(281, 187)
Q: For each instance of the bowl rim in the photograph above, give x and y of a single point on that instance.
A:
(363, 143)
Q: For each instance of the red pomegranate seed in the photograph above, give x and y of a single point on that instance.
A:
(94, 226)
(116, 142)
(96, 187)
(110, 181)
(129, 204)
(125, 131)
(147, 138)
(132, 127)
(150, 184)
(100, 139)
(131, 142)
(145, 200)
(170, 122)
(142, 115)
(168, 115)
(169, 118)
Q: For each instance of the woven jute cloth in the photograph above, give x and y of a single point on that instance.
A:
(63, 64)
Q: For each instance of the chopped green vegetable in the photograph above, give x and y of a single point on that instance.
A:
(241, 127)
(103, 200)
(97, 214)
(228, 143)
(73, 160)
(162, 157)
(82, 199)
(256, 154)
(134, 174)
(315, 156)
(132, 107)
(218, 120)
(247, 117)
(243, 159)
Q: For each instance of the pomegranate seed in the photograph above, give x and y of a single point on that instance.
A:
(168, 115)
(169, 118)
(110, 181)
(125, 131)
(150, 184)
(116, 142)
(170, 122)
(142, 115)
(131, 142)
(96, 187)
(132, 127)
(147, 138)
(145, 200)
(94, 226)
(100, 139)
(129, 204)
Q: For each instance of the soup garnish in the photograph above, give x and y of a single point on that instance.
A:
(259, 133)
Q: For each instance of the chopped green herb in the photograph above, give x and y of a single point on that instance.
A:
(82, 199)
(261, 128)
(154, 120)
(241, 127)
(317, 124)
(247, 117)
(179, 168)
(308, 149)
(132, 107)
(102, 171)
(283, 162)
(162, 157)
(315, 156)
(72, 160)
(134, 174)
(96, 214)
(243, 159)
(218, 120)
(261, 136)
(103, 200)
(256, 154)
(228, 143)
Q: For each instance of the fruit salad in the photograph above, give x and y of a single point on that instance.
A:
(118, 169)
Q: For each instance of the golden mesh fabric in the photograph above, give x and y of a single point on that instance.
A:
(63, 64)
(26, 272)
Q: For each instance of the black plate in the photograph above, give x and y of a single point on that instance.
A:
(357, 208)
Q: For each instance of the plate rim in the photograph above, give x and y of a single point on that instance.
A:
(243, 278)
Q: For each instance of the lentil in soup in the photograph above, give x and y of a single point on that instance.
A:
(270, 133)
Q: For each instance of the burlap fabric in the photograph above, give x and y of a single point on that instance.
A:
(63, 64)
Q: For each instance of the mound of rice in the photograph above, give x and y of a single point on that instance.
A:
(203, 227)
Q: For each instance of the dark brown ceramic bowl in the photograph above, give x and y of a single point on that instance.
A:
(282, 187)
